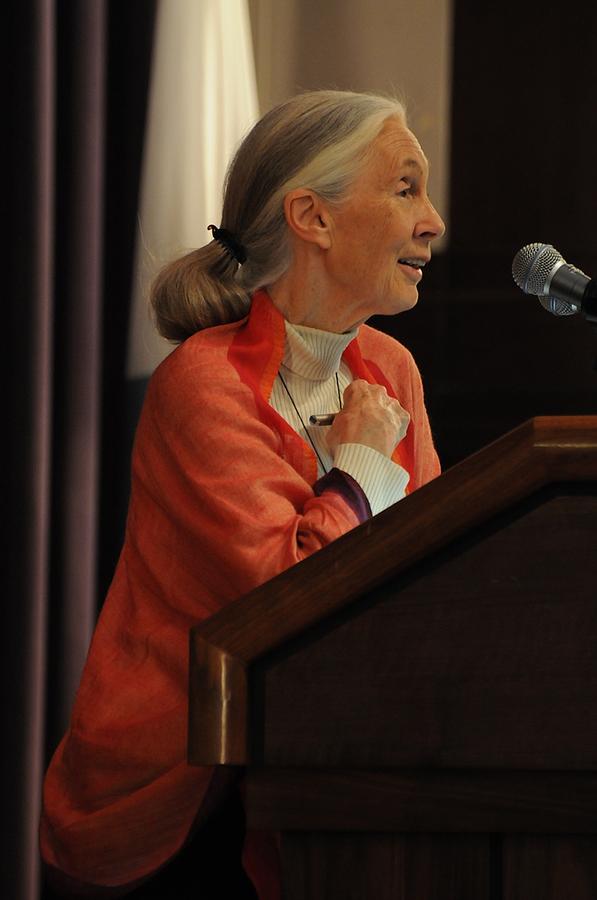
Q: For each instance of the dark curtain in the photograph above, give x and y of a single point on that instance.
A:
(76, 78)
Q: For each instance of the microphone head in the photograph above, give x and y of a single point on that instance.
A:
(532, 266)
(531, 270)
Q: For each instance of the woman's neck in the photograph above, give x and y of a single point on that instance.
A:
(303, 299)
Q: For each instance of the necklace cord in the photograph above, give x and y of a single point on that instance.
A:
(306, 430)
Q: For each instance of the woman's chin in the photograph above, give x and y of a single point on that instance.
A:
(406, 300)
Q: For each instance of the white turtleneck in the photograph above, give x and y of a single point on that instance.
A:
(316, 376)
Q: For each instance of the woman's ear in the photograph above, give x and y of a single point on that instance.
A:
(308, 217)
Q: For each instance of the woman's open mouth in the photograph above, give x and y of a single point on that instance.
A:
(413, 267)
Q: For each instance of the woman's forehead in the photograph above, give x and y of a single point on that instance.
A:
(394, 149)
(397, 140)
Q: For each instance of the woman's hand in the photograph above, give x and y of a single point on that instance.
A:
(369, 416)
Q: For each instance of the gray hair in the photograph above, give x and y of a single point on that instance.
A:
(317, 140)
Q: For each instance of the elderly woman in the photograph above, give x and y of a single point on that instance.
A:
(326, 222)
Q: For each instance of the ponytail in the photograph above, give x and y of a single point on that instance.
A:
(198, 291)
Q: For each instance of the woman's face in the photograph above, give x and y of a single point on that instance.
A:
(382, 233)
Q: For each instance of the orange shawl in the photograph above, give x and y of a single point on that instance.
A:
(222, 500)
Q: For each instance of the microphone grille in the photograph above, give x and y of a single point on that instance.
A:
(532, 266)
(557, 307)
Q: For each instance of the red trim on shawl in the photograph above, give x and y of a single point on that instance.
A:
(258, 348)
(256, 353)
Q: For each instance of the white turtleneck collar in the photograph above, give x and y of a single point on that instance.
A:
(314, 354)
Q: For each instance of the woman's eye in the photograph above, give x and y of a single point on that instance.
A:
(405, 190)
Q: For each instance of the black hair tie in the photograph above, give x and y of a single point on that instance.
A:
(229, 242)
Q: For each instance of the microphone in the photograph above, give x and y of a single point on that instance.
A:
(562, 289)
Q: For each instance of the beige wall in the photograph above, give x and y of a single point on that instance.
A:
(399, 46)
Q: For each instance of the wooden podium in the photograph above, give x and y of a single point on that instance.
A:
(416, 704)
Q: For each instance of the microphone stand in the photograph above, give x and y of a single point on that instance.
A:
(589, 308)
(589, 302)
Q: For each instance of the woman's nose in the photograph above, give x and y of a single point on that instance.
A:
(431, 224)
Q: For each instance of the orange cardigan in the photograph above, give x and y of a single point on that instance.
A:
(222, 500)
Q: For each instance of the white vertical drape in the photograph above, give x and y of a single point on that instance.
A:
(203, 99)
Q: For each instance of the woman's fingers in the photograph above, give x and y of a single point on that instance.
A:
(369, 416)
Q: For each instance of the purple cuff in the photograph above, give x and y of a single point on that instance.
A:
(350, 490)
